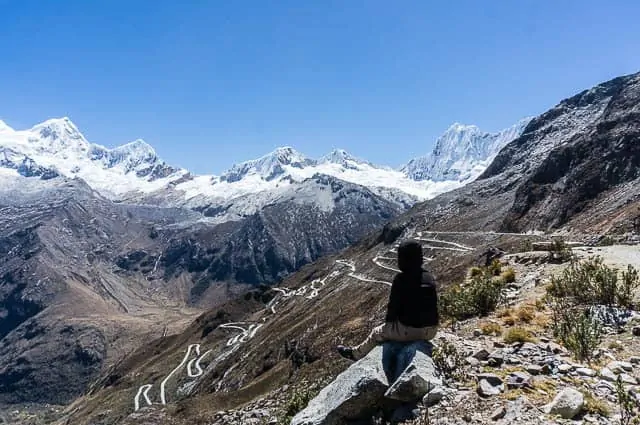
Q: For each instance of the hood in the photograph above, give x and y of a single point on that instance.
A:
(410, 256)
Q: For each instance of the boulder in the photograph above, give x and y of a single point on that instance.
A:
(355, 392)
(419, 374)
(567, 404)
(364, 387)
(489, 384)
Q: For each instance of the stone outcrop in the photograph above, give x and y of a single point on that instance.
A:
(391, 374)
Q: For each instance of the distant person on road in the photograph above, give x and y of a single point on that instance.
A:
(412, 311)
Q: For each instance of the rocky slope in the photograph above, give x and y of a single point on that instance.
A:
(574, 166)
(284, 339)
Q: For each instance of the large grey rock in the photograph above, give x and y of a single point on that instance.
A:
(620, 367)
(567, 404)
(364, 387)
(418, 377)
(608, 375)
(354, 392)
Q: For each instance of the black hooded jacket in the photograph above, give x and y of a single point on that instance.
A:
(414, 299)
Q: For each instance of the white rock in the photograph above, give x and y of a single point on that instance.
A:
(567, 404)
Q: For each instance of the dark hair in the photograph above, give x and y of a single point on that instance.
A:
(410, 256)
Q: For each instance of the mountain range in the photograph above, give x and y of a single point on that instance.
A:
(134, 172)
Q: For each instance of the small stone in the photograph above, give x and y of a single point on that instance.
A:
(628, 379)
(636, 331)
(499, 413)
(496, 358)
(477, 333)
(492, 378)
(472, 361)
(513, 360)
(534, 369)
(434, 396)
(498, 344)
(567, 404)
(634, 360)
(608, 375)
(565, 368)
(585, 371)
(481, 355)
(620, 367)
(517, 380)
(485, 389)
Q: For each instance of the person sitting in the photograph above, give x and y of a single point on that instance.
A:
(412, 310)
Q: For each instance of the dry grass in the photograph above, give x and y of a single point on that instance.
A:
(504, 312)
(509, 275)
(526, 313)
(616, 346)
(518, 334)
(595, 406)
(491, 328)
(540, 304)
(509, 320)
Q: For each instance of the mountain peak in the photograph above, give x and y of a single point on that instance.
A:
(462, 152)
(60, 131)
(343, 158)
(4, 127)
(285, 155)
(459, 128)
(270, 166)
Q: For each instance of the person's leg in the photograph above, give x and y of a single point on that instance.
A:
(375, 337)
(379, 334)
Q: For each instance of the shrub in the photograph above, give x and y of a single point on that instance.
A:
(629, 406)
(476, 271)
(298, 401)
(526, 246)
(495, 268)
(594, 283)
(478, 298)
(561, 251)
(616, 346)
(577, 330)
(606, 241)
(518, 335)
(509, 275)
(540, 304)
(509, 320)
(627, 288)
(491, 328)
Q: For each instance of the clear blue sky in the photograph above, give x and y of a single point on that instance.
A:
(210, 83)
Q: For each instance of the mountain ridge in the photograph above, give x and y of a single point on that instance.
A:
(57, 147)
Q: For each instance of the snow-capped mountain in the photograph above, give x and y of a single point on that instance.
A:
(57, 147)
(462, 153)
(134, 172)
